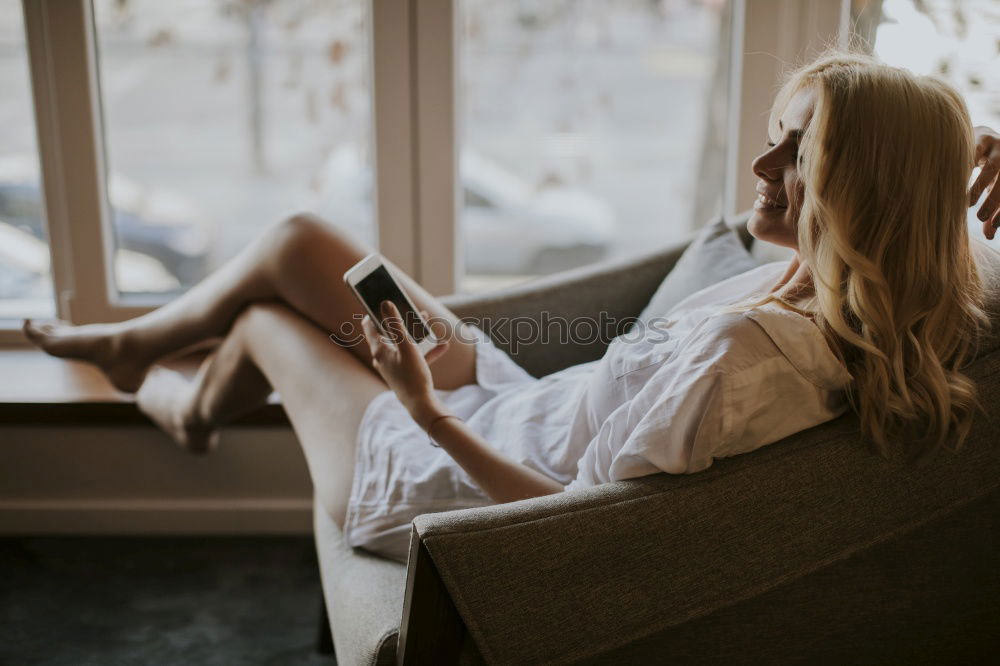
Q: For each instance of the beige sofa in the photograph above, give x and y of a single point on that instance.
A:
(811, 549)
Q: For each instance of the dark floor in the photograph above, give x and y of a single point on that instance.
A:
(180, 600)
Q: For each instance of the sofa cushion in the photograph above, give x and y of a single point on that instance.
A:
(364, 596)
(715, 254)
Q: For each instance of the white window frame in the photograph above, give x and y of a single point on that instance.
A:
(416, 164)
(769, 37)
(414, 50)
(70, 150)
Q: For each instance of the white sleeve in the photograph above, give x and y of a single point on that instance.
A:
(669, 426)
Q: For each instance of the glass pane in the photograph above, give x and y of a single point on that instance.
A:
(956, 40)
(25, 278)
(591, 129)
(222, 118)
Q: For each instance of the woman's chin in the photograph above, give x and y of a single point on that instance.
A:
(771, 226)
(761, 224)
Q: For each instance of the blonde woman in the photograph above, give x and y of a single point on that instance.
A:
(865, 175)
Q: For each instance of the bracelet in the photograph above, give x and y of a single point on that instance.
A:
(430, 427)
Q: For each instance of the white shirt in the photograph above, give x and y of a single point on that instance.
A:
(701, 385)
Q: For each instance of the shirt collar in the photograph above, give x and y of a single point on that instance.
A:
(803, 344)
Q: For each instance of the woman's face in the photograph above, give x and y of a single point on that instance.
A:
(779, 190)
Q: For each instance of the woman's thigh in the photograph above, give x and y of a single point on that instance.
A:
(324, 390)
(309, 276)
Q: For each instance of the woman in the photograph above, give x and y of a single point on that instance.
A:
(864, 176)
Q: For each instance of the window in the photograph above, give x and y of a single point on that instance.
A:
(593, 125)
(221, 118)
(25, 275)
(495, 141)
(956, 40)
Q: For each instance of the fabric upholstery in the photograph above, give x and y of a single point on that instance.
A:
(619, 288)
(925, 597)
(988, 261)
(364, 596)
(715, 254)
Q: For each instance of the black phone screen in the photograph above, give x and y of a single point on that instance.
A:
(379, 286)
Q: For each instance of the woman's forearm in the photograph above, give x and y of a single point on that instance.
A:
(503, 479)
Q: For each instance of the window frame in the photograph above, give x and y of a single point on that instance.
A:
(414, 46)
(59, 38)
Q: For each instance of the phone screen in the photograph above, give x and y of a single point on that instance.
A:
(379, 286)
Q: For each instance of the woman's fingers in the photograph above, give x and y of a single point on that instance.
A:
(988, 157)
(372, 336)
(988, 175)
(436, 352)
(990, 206)
(394, 325)
(985, 177)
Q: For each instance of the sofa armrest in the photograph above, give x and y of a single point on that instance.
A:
(620, 289)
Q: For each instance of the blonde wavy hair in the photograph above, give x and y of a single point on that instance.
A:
(887, 157)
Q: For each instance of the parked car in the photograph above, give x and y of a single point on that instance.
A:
(152, 222)
(25, 274)
(509, 226)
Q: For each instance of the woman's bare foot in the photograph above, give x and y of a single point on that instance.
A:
(100, 344)
(167, 397)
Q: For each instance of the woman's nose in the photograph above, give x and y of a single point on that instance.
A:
(767, 167)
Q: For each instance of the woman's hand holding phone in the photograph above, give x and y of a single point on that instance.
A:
(407, 372)
(401, 364)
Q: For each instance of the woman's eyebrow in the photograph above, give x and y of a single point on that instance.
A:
(795, 134)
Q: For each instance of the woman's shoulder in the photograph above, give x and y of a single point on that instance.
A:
(737, 341)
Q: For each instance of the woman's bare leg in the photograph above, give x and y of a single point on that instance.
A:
(300, 262)
(227, 385)
(324, 390)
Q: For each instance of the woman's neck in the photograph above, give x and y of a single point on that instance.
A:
(795, 283)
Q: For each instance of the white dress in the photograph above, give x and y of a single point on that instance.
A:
(701, 384)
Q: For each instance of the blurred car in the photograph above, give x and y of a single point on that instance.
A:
(509, 226)
(25, 274)
(147, 221)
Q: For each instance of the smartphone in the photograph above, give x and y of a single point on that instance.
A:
(372, 283)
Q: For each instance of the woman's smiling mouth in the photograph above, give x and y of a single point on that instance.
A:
(764, 202)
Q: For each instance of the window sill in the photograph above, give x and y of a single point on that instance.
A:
(36, 389)
(12, 337)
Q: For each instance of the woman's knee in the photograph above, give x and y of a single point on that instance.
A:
(262, 319)
(304, 237)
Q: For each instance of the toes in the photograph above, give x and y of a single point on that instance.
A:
(30, 328)
(37, 333)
